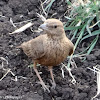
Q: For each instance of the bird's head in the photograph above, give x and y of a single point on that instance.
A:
(53, 27)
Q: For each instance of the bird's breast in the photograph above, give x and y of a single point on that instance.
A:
(55, 53)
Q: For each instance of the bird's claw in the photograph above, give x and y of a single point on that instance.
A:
(53, 84)
(44, 86)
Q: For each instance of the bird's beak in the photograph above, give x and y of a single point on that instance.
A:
(43, 26)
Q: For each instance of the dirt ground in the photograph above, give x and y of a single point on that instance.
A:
(26, 87)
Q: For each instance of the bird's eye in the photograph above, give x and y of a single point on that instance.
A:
(55, 26)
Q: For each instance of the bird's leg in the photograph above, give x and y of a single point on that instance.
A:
(41, 81)
(53, 81)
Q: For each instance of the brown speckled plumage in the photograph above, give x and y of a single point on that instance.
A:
(51, 48)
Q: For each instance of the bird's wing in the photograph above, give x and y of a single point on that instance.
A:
(71, 50)
(34, 48)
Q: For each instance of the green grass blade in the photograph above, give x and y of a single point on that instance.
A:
(49, 6)
(80, 36)
(97, 32)
(92, 45)
(74, 34)
(73, 27)
(88, 24)
(68, 2)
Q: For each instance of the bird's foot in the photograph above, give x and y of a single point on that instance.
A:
(53, 84)
(44, 86)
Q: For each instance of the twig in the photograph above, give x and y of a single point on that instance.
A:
(98, 79)
(41, 17)
(21, 29)
(95, 70)
(31, 30)
(22, 77)
(73, 63)
(69, 70)
(46, 1)
(95, 24)
(12, 73)
(24, 21)
(43, 8)
(62, 70)
(11, 21)
(16, 79)
(2, 58)
(8, 70)
(5, 75)
(53, 15)
(79, 56)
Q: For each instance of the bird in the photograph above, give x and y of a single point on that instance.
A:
(48, 49)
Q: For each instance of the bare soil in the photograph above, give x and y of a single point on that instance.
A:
(26, 87)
